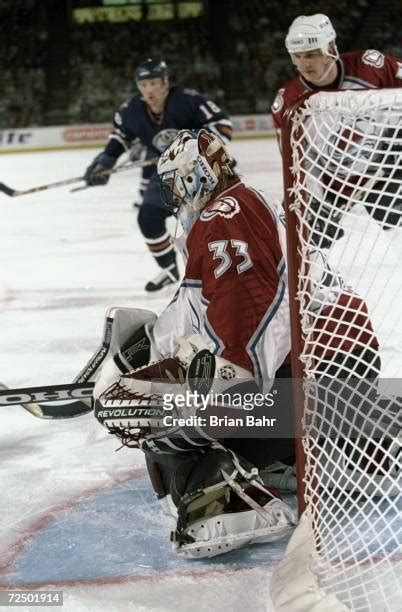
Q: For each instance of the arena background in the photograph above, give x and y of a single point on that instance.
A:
(72, 61)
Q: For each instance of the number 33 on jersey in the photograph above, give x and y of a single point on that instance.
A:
(234, 284)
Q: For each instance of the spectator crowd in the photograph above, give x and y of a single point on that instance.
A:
(240, 64)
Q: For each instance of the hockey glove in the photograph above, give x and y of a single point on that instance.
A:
(133, 408)
(95, 173)
(136, 406)
(137, 150)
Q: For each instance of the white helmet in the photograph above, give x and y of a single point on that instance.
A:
(311, 32)
(190, 168)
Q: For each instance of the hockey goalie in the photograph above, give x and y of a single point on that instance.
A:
(210, 340)
(221, 343)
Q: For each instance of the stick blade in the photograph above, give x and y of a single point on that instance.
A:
(7, 190)
(33, 408)
(64, 411)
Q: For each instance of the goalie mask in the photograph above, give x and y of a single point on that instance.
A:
(190, 169)
(308, 33)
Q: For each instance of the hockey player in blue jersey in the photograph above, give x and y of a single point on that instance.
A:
(153, 118)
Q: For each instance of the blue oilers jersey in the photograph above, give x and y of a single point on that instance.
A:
(184, 109)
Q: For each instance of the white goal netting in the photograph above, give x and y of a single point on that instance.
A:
(345, 230)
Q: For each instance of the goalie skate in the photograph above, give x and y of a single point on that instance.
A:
(219, 534)
(280, 476)
(225, 506)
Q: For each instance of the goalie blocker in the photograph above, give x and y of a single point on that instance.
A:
(220, 501)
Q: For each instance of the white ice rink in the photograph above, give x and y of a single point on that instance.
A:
(74, 514)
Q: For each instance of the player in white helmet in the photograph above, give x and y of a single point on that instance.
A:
(311, 44)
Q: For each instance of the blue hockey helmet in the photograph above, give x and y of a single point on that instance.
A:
(151, 69)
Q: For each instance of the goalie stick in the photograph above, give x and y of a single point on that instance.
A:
(29, 396)
(35, 401)
(76, 397)
(16, 192)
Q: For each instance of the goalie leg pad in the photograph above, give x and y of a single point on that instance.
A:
(168, 473)
(223, 506)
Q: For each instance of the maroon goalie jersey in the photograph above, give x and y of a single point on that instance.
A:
(234, 292)
(356, 70)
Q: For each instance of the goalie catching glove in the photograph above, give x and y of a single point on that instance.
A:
(145, 405)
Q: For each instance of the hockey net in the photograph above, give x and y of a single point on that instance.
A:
(343, 183)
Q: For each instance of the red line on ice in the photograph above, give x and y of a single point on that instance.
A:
(17, 547)
(39, 523)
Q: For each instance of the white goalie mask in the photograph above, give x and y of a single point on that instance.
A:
(308, 33)
(190, 168)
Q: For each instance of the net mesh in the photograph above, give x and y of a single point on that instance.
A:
(347, 197)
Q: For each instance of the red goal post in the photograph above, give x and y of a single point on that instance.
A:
(343, 204)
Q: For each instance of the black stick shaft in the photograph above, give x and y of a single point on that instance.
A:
(51, 393)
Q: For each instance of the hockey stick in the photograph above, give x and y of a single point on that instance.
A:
(73, 406)
(124, 164)
(29, 396)
(77, 396)
(15, 192)
(75, 399)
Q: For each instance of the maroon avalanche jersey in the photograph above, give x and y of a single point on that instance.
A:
(234, 248)
(356, 70)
